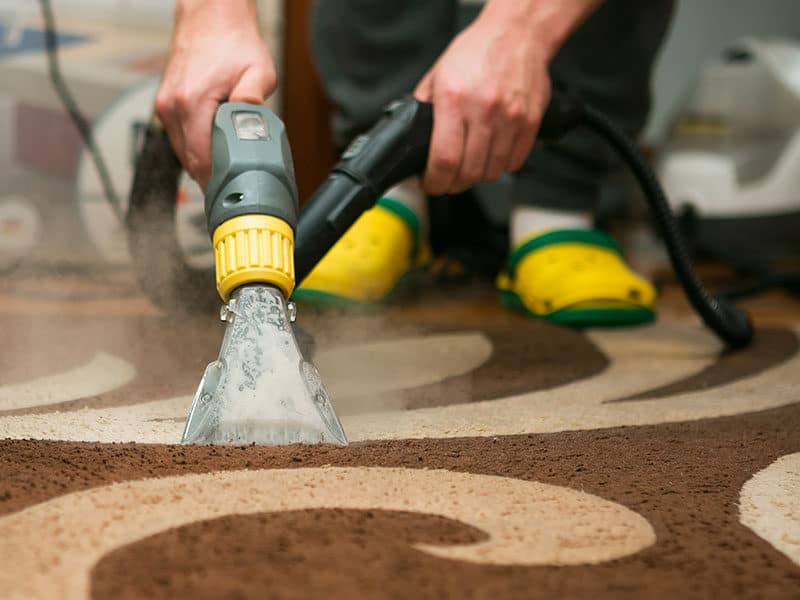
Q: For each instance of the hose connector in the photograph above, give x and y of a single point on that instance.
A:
(254, 248)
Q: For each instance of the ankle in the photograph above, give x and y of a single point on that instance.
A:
(410, 194)
(527, 221)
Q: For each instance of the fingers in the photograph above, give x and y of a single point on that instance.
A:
(475, 139)
(447, 148)
(196, 122)
(187, 113)
(464, 152)
(499, 155)
(187, 116)
(527, 129)
(165, 109)
(476, 156)
(521, 145)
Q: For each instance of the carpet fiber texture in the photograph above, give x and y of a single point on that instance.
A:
(491, 456)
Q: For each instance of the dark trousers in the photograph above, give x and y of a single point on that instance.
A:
(370, 52)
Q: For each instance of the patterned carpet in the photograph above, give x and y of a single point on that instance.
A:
(491, 455)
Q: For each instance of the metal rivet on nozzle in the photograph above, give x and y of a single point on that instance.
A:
(227, 311)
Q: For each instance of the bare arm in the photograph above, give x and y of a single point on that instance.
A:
(217, 54)
(490, 88)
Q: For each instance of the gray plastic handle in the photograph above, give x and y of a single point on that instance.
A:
(251, 166)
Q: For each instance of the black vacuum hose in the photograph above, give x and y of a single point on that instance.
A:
(397, 147)
(727, 320)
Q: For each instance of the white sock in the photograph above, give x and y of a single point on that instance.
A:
(409, 193)
(527, 221)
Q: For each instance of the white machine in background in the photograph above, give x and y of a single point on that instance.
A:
(731, 164)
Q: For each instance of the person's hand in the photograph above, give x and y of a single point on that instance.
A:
(217, 54)
(490, 89)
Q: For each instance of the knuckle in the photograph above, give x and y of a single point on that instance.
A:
(267, 76)
(197, 168)
(183, 100)
(163, 103)
(191, 162)
(454, 95)
(445, 162)
(491, 103)
(517, 114)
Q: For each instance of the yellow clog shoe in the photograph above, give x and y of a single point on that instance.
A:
(378, 254)
(575, 277)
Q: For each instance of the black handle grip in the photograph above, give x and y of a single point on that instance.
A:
(394, 149)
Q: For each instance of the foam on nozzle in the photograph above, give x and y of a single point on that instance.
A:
(261, 389)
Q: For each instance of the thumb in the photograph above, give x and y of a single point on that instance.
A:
(254, 86)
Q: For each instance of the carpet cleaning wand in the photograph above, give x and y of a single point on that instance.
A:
(261, 389)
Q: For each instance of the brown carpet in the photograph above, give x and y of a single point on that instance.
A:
(650, 507)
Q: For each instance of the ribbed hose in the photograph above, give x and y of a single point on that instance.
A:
(728, 321)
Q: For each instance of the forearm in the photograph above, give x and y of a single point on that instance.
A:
(550, 22)
(211, 14)
(234, 7)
